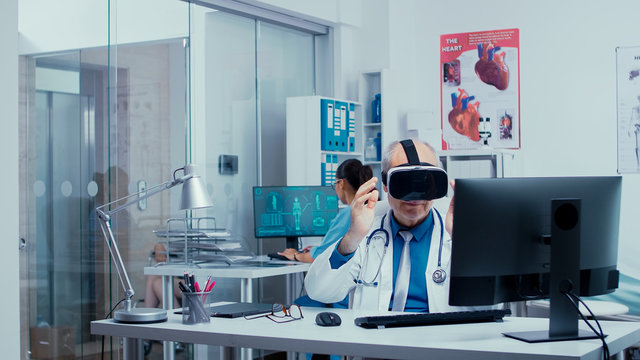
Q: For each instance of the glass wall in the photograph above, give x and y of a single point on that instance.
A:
(242, 72)
(82, 152)
(107, 115)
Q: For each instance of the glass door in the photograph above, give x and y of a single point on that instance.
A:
(59, 196)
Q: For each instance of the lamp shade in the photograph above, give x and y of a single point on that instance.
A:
(194, 192)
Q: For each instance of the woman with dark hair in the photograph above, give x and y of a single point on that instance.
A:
(349, 176)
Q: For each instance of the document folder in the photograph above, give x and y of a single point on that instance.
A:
(327, 114)
(340, 126)
(352, 127)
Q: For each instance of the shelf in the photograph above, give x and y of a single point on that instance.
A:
(198, 243)
(478, 163)
(217, 234)
(373, 124)
(349, 153)
(475, 152)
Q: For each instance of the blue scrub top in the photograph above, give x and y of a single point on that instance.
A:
(337, 229)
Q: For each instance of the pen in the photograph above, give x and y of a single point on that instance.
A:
(192, 282)
(183, 287)
(207, 289)
(186, 279)
(206, 285)
(196, 286)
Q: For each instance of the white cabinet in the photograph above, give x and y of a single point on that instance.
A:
(481, 163)
(305, 154)
(306, 130)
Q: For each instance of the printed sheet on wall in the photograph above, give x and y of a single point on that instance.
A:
(628, 98)
(480, 90)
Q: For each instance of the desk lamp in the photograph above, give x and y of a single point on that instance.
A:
(194, 196)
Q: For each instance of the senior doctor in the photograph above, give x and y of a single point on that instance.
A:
(368, 261)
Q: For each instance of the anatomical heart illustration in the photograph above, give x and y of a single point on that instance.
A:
(480, 68)
(464, 117)
(490, 66)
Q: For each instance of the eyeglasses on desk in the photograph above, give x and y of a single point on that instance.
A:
(281, 314)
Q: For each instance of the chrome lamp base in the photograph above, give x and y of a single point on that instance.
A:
(140, 315)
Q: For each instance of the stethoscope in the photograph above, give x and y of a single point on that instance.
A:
(438, 276)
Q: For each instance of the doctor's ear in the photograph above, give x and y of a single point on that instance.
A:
(384, 187)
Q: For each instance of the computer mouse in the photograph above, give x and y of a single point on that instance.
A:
(327, 318)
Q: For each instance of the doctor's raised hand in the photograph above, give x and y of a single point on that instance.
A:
(362, 214)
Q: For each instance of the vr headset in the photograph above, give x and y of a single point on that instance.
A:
(415, 180)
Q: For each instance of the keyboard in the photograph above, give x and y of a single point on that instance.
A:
(422, 319)
(277, 256)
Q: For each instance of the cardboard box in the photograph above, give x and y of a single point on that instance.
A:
(57, 342)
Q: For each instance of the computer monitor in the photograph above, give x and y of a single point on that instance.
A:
(529, 238)
(293, 211)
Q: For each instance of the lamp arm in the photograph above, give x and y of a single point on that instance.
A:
(105, 225)
(149, 192)
(104, 218)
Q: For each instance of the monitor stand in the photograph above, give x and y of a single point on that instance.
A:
(292, 242)
(565, 277)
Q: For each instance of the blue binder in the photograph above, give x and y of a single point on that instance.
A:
(334, 167)
(340, 126)
(376, 109)
(327, 141)
(352, 128)
(326, 170)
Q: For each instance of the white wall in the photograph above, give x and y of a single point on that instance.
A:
(10, 340)
(567, 77)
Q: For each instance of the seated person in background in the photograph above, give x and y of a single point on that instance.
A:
(350, 175)
(153, 292)
(373, 274)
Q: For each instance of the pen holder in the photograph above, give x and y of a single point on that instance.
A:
(194, 309)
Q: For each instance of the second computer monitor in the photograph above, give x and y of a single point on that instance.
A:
(293, 211)
(502, 236)
(526, 238)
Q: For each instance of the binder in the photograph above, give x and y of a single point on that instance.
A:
(334, 166)
(376, 109)
(340, 126)
(328, 169)
(327, 114)
(352, 128)
(323, 170)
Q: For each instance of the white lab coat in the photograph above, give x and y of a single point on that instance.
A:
(331, 285)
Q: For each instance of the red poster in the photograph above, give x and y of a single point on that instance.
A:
(480, 92)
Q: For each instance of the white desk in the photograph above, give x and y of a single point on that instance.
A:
(246, 274)
(540, 308)
(468, 341)
(235, 271)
